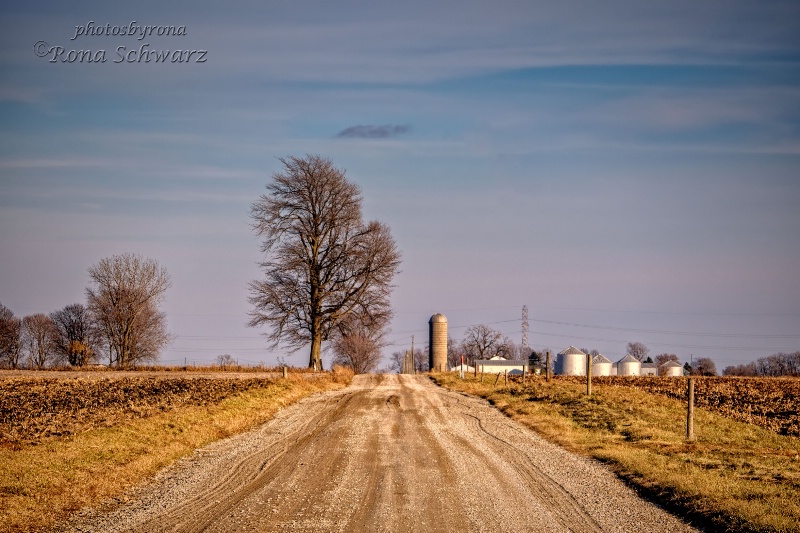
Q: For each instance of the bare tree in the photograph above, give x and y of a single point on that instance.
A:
(483, 342)
(225, 360)
(10, 338)
(455, 350)
(74, 326)
(666, 357)
(704, 366)
(638, 350)
(39, 340)
(421, 360)
(123, 301)
(324, 263)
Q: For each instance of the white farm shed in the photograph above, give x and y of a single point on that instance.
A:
(466, 368)
(498, 365)
(649, 369)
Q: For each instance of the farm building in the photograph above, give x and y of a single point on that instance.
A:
(649, 369)
(498, 365)
(571, 362)
(602, 366)
(672, 369)
(466, 368)
(629, 366)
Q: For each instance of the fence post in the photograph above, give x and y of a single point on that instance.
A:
(481, 373)
(588, 374)
(505, 378)
(285, 372)
(547, 367)
(690, 412)
(497, 379)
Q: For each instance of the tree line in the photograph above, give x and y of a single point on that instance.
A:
(779, 364)
(120, 323)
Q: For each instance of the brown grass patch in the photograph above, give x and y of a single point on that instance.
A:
(735, 477)
(44, 479)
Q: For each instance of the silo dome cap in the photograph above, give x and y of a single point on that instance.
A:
(438, 317)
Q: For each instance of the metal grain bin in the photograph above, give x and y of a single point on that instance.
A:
(437, 343)
(601, 366)
(629, 366)
(571, 362)
(672, 369)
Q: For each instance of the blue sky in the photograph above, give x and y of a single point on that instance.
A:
(628, 170)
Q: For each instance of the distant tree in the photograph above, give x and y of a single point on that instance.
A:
(748, 369)
(225, 360)
(779, 364)
(648, 360)
(704, 366)
(638, 350)
(396, 361)
(454, 352)
(324, 262)
(421, 359)
(123, 301)
(483, 342)
(536, 359)
(357, 346)
(666, 357)
(687, 368)
(39, 340)
(10, 338)
(75, 328)
(593, 352)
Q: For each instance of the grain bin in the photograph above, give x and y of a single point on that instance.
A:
(671, 369)
(629, 366)
(437, 343)
(571, 362)
(601, 366)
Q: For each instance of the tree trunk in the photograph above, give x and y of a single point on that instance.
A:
(316, 357)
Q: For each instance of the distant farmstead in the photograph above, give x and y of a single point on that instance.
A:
(499, 365)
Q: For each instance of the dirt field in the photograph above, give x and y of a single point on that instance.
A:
(389, 453)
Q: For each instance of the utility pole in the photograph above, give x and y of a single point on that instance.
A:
(413, 359)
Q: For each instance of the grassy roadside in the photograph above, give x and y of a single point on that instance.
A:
(735, 477)
(42, 484)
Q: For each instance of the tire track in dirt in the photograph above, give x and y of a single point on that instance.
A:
(389, 453)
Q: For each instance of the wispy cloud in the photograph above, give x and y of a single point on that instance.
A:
(374, 132)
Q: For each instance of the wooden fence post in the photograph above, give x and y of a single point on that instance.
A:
(588, 374)
(547, 368)
(690, 412)
(285, 372)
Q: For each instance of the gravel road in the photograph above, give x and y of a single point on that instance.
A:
(389, 453)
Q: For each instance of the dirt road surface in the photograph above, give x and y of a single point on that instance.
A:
(389, 453)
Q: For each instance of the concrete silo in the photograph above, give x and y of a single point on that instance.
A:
(629, 366)
(601, 366)
(437, 343)
(571, 362)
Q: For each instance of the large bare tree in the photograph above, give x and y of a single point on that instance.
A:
(75, 328)
(483, 342)
(10, 338)
(123, 301)
(638, 350)
(39, 339)
(323, 262)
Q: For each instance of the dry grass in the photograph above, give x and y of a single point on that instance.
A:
(735, 477)
(43, 483)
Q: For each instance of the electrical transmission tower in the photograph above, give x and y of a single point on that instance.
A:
(524, 326)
